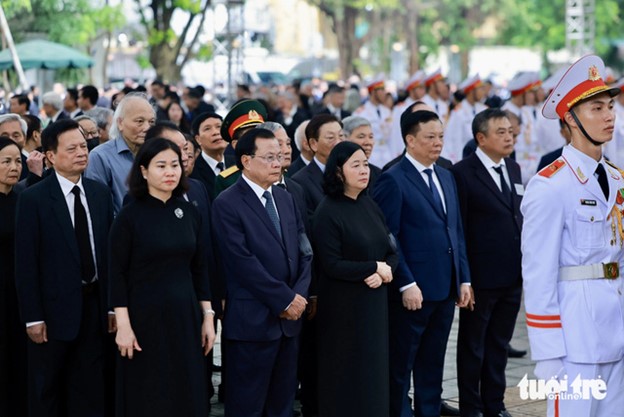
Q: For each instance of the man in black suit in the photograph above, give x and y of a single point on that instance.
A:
(212, 159)
(52, 106)
(322, 133)
(61, 279)
(490, 192)
(70, 103)
(334, 100)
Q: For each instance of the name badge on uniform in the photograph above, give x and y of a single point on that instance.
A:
(588, 202)
(519, 189)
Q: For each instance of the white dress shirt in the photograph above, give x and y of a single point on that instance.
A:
(212, 163)
(259, 191)
(421, 169)
(490, 165)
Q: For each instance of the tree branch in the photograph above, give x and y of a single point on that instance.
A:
(189, 50)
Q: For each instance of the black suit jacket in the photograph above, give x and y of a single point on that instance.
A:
(549, 158)
(492, 225)
(47, 267)
(296, 166)
(206, 175)
(310, 179)
(299, 196)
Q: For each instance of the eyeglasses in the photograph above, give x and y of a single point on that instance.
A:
(269, 159)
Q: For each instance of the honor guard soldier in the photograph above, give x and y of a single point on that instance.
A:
(415, 88)
(243, 116)
(437, 94)
(523, 88)
(380, 118)
(459, 128)
(572, 242)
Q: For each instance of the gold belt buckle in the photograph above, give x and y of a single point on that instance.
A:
(611, 270)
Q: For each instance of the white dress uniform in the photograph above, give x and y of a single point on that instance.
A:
(397, 137)
(572, 247)
(386, 147)
(458, 131)
(439, 106)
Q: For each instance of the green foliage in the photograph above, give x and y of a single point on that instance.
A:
(72, 22)
(191, 6)
(204, 52)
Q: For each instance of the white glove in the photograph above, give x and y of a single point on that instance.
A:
(549, 368)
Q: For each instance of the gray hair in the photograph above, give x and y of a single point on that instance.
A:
(300, 135)
(12, 117)
(101, 115)
(349, 124)
(53, 100)
(120, 111)
(271, 126)
(85, 117)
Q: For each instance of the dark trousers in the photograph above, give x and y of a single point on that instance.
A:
(482, 349)
(262, 378)
(66, 378)
(13, 368)
(418, 342)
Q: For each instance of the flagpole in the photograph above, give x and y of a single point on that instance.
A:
(16, 61)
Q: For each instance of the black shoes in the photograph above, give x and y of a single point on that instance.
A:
(515, 353)
(447, 410)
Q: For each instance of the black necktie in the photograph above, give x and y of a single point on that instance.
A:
(220, 166)
(81, 228)
(602, 180)
(272, 212)
(504, 187)
(434, 190)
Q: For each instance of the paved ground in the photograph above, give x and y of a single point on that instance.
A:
(516, 369)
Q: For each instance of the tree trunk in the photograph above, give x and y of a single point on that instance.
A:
(348, 45)
(411, 34)
(163, 58)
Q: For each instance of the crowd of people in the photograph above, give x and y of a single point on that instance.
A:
(130, 232)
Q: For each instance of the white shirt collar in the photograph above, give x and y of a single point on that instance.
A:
(211, 161)
(487, 161)
(304, 159)
(419, 167)
(320, 164)
(67, 186)
(258, 191)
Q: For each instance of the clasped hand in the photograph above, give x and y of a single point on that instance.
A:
(295, 309)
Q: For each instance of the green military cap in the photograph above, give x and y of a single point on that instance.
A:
(245, 113)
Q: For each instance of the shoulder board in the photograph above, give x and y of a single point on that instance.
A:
(552, 169)
(612, 164)
(226, 173)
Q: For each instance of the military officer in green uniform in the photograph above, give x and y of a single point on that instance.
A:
(243, 116)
